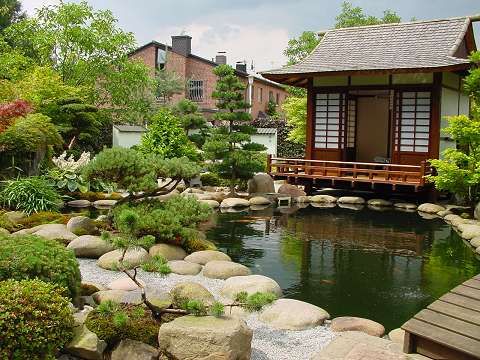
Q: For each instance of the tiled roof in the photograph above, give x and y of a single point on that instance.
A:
(130, 128)
(266, 131)
(413, 45)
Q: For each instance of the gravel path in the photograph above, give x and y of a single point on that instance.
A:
(267, 343)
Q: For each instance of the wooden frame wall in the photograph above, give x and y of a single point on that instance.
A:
(434, 138)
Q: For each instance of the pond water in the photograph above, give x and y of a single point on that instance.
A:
(384, 266)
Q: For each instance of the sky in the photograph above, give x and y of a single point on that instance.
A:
(253, 30)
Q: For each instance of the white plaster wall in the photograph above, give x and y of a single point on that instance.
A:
(453, 103)
(267, 140)
(126, 139)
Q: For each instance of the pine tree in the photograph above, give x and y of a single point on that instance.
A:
(235, 156)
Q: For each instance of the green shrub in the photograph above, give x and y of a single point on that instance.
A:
(30, 195)
(172, 221)
(27, 257)
(35, 320)
(5, 223)
(210, 179)
(114, 322)
(157, 264)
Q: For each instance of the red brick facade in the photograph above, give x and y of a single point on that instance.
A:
(196, 68)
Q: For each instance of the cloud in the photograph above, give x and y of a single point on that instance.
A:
(263, 45)
(31, 5)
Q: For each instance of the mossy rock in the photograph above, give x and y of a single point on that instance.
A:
(45, 217)
(198, 244)
(6, 224)
(139, 326)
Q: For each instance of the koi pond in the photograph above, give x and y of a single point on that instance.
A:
(381, 265)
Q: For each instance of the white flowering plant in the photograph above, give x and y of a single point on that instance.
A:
(66, 174)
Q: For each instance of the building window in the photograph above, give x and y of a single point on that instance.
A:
(412, 130)
(329, 128)
(270, 96)
(277, 99)
(195, 90)
(260, 95)
(161, 59)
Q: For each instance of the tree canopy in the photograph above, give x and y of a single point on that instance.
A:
(10, 12)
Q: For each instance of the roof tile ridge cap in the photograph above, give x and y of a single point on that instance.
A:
(460, 37)
(393, 24)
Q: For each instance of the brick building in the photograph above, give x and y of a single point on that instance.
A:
(197, 72)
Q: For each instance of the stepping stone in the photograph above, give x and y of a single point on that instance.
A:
(290, 314)
(405, 206)
(351, 200)
(259, 200)
(350, 323)
(181, 267)
(323, 199)
(251, 284)
(204, 256)
(169, 252)
(355, 345)
(234, 202)
(379, 202)
(430, 208)
(79, 203)
(102, 204)
(219, 269)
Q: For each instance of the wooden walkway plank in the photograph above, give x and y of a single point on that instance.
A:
(449, 323)
(442, 336)
(461, 300)
(455, 311)
(467, 291)
(473, 283)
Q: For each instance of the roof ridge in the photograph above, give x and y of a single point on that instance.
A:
(395, 24)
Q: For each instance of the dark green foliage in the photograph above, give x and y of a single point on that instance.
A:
(44, 217)
(210, 179)
(35, 320)
(133, 171)
(217, 309)
(10, 12)
(168, 84)
(190, 117)
(157, 264)
(27, 257)
(30, 195)
(286, 148)
(354, 16)
(194, 307)
(173, 221)
(79, 123)
(166, 137)
(271, 109)
(115, 322)
(5, 223)
(256, 301)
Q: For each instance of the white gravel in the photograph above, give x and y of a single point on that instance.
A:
(267, 343)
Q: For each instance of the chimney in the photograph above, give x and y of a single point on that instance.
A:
(221, 58)
(182, 44)
(241, 66)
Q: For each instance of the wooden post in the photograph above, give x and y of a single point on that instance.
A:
(423, 166)
(269, 163)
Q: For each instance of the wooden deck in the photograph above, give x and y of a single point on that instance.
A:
(353, 173)
(449, 328)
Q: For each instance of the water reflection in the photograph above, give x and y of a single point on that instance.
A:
(381, 265)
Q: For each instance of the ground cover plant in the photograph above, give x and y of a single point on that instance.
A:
(35, 321)
(28, 257)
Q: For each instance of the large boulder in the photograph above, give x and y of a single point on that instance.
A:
(212, 203)
(81, 225)
(89, 246)
(104, 204)
(204, 256)
(475, 242)
(206, 337)
(219, 269)
(181, 267)
(234, 202)
(358, 345)
(190, 291)
(355, 200)
(259, 200)
(55, 232)
(350, 323)
(397, 336)
(88, 288)
(125, 283)
(291, 190)
(405, 206)
(261, 184)
(250, 284)
(379, 202)
(134, 350)
(469, 231)
(323, 199)
(133, 258)
(290, 314)
(118, 296)
(430, 208)
(169, 252)
(86, 344)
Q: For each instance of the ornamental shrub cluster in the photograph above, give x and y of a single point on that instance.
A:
(173, 221)
(28, 257)
(35, 320)
(30, 195)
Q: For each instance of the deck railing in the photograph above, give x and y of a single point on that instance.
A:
(349, 171)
